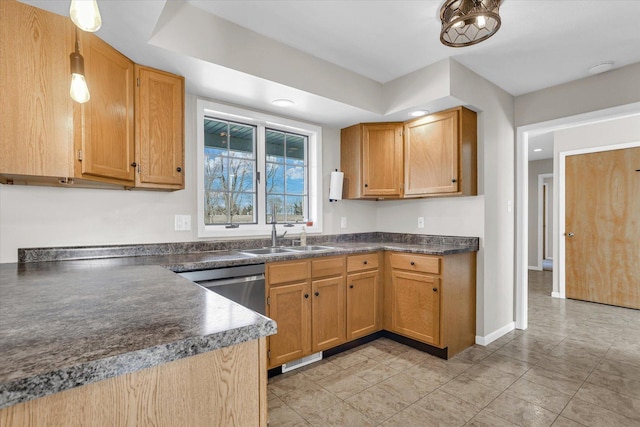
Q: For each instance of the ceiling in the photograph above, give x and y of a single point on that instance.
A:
(541, 43)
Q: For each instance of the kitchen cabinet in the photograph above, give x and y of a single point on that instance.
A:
(289, 304)
(306, 298)
(435, 155)
(124, 136)
(440, 154)
(371, 159)
(363, 295)
(431, 299)
(159, 112)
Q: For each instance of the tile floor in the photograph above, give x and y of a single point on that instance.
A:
(577, 364)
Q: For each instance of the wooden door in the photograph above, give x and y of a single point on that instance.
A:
(104, 126)
(602, 224)
(415, 306)
(159, 129)
(431, 154)
(381, 159)
(290, 307)
(36, 133)
(362, 304)
(328, 313)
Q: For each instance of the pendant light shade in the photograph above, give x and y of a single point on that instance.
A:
(85, 14)
(467, 22)
(79, 91)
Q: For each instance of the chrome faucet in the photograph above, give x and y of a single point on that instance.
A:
(274, 232)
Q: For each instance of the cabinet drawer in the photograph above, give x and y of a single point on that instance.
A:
(414, 262)
(362, 262)
(285, 272)
(323, 267)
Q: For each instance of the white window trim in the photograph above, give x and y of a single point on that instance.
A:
(261, 120)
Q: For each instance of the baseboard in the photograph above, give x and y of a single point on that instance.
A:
(535, 267)
(488, 339)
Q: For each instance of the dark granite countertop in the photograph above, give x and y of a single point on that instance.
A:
(112, 310)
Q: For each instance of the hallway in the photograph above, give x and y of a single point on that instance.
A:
(577, 364)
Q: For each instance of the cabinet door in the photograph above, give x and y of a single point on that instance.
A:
(431, 155)
(381, 159)
(415, 306)
(328, 313)
(159, 129)
(104, 128)
(362, 304)
(36, 135)
(290, 307)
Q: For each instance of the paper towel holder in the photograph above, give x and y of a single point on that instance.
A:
(335, 186)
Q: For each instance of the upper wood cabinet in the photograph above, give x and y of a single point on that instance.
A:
(159, 108)
(371, 159)
(104, 126)
(48, 139)
(440, 154)
(435, 155)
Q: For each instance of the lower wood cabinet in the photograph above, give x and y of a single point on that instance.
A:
(327, 313)
(432, 299)
(364, 296)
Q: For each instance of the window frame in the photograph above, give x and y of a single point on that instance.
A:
(262, 121)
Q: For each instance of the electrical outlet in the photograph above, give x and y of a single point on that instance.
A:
(182, 223)
(343, 222)
(420, 222)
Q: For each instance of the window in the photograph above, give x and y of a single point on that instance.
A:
(252, 166)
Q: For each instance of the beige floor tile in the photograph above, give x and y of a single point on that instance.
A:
(319, 370)
(565, 367)
(406, 388)
(521, 412)
(471, 391)
(540, 395)
(472, 354)
(565, 422)
(621, 404)
(589, 414)
(280, 415)
(616, 383)
(447, 409)
(413, 416)
(346, 360)
(613, 367)
(488, 419)
(491, 376)
(341, 415)
(310, 400)
(290, 382)
(519, 352)
(376, 403)
(553, 380)
(375, 372)
(344, 385)
(432, 375)
(506, 364)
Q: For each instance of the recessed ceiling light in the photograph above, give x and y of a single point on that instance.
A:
(601, 68)
(282, 102)
(418, 113)
(537, 149)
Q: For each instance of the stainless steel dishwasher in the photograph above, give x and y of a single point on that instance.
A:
(242, 284)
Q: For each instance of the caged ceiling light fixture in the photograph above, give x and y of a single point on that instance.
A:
(86, 15)
(467, 22)
(79, 91)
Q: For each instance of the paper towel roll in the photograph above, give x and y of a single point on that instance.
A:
(335, 186)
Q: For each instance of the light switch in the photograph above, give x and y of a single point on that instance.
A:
(420, 222)
(182, 223)
(343, 222)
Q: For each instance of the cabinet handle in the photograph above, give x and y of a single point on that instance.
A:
(306, 295)
(351, 286)
(453, 180)
(366, 262)
(179, 169)
(317, 294)
(134, 164)
(435, 289)
(413, 263)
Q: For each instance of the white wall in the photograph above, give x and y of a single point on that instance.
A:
(32, 216)
(550, 223)
(612, 132)
(536, 168)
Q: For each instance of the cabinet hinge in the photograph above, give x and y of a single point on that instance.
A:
(268, 300)
(80, 155)
(268, 354)
(138, 81)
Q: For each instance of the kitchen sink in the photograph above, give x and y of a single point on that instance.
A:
(310, 248)
(266, 251)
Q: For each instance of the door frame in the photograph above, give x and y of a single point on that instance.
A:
(542, 213)
(562, 156)
(522, 193)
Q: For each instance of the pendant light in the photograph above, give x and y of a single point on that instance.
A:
(85, 14)
(467, 22)
(79, 91)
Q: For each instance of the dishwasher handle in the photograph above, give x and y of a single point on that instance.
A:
(233, 280)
